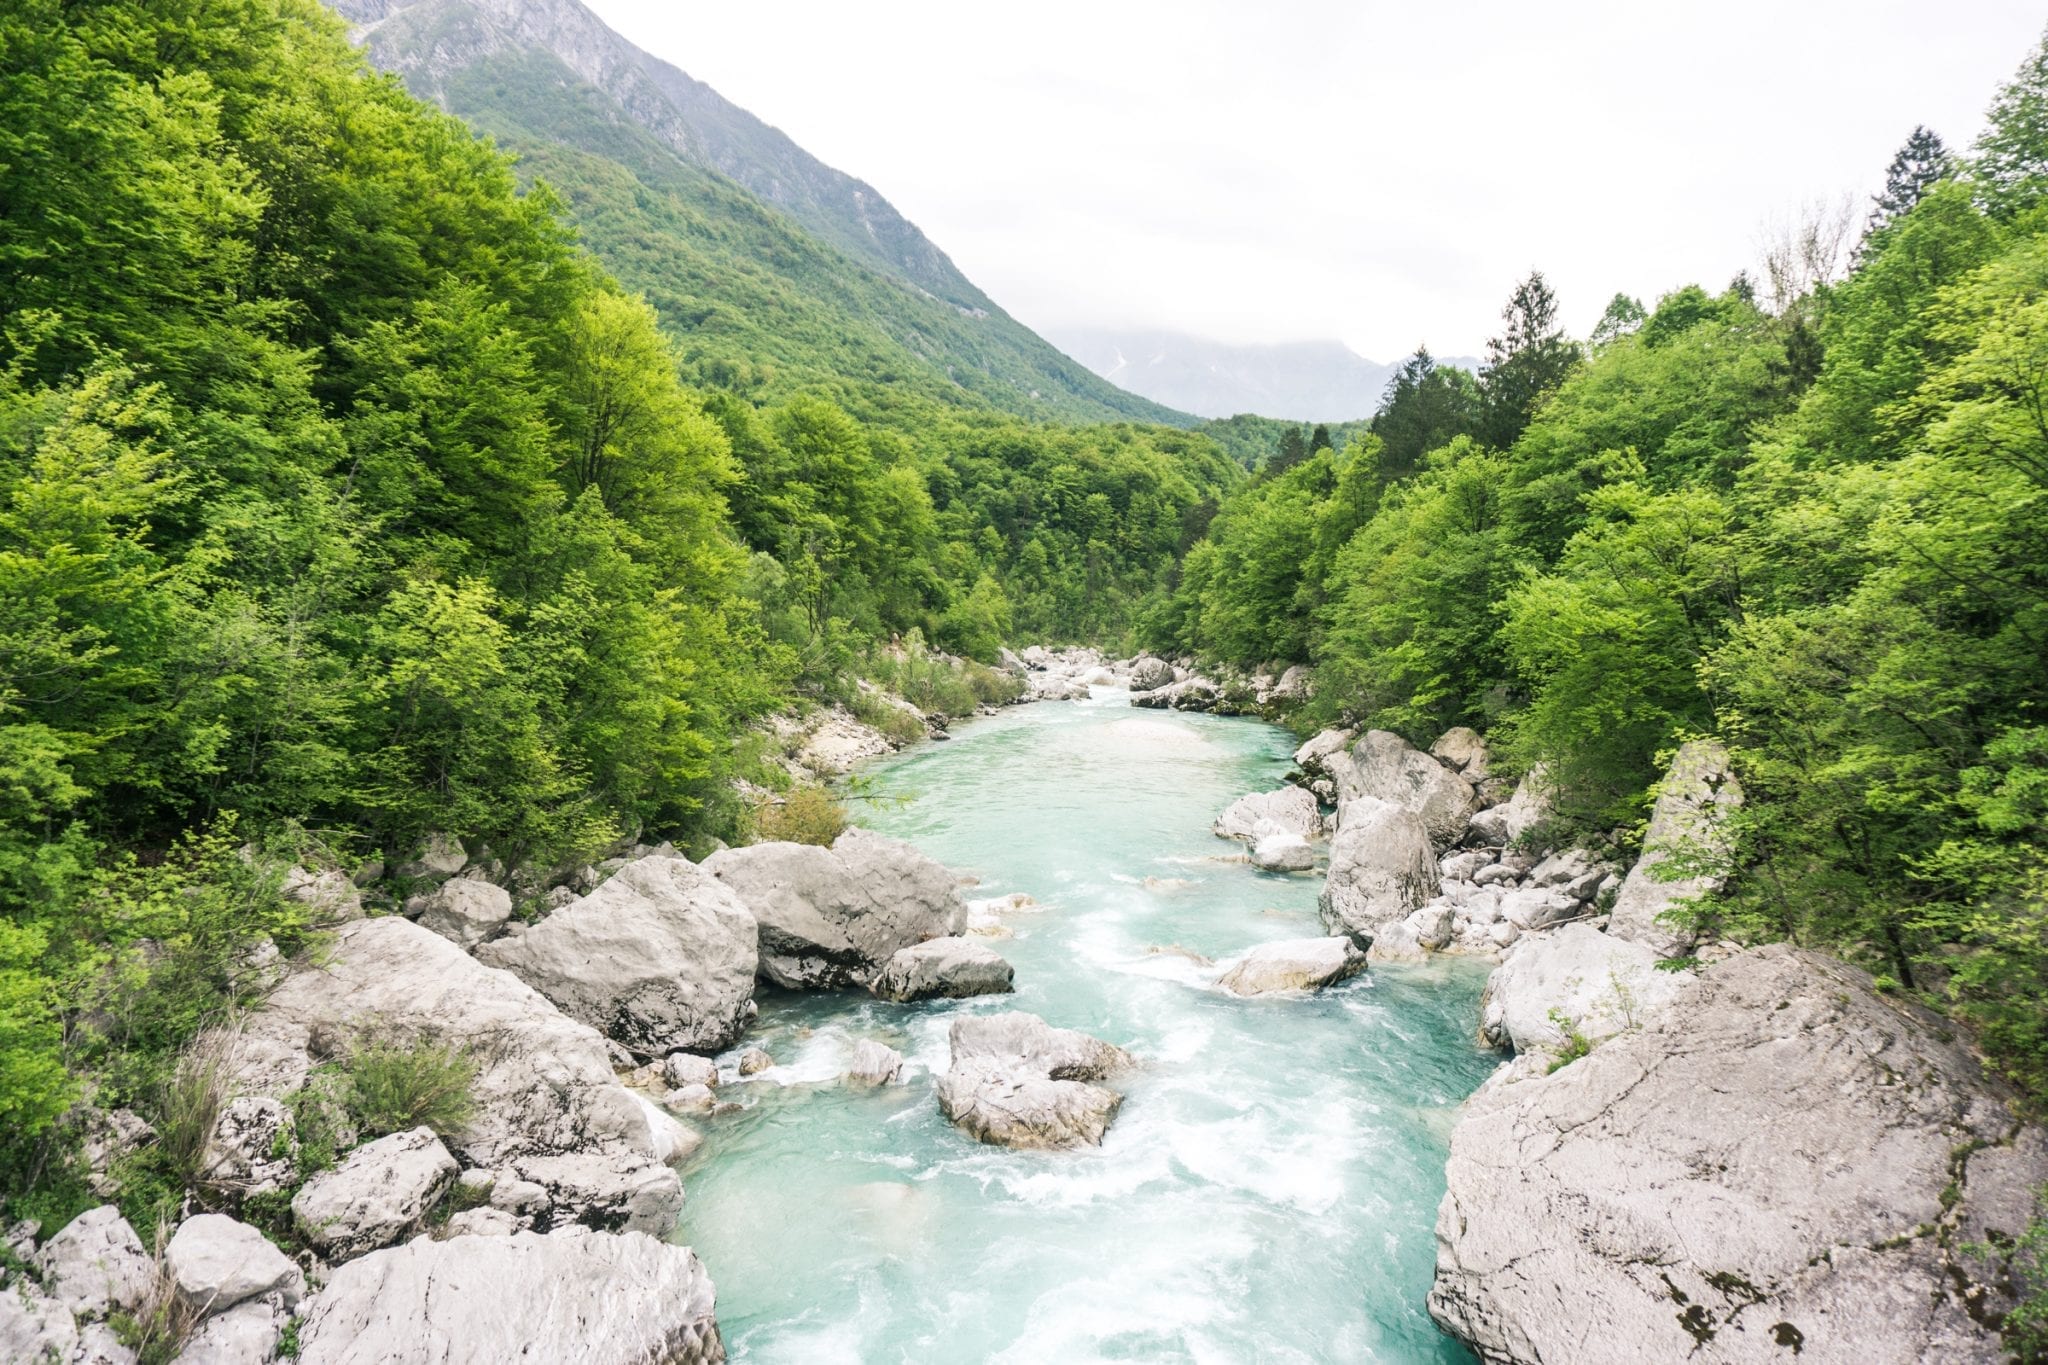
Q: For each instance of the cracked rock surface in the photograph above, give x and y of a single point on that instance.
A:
(1782, 1164)
(1016, 1081)
(572, 1295)
(548, 1106)
(831, 917)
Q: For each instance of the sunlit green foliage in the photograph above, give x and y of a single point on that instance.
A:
(1821, 533)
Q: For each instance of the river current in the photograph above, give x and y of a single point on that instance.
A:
(1267, 1193)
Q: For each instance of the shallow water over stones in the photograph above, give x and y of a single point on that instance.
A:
(1269, 1189)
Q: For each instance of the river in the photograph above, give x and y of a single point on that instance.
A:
(1268, 1191)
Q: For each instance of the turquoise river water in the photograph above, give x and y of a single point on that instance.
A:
(1268, 1191)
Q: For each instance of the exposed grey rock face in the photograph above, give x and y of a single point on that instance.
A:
(1282, 850)
(1016, 1081)
(1461, 749)
(439, 857)
(1691, 806)
(96, 1265)
(1501, 825)
(1388, 768)
(1313, 757)
(215, 1263)
(660, 958)
(331, 896)
(832, 917)
(247, 1334)
(547, 1103)
(1148, 673)
(465, 911)
(1189, 694)
(687, 1068)
(34, 1327)
(1599, 984)
(754, 1061)
(1302, 964)
(1382, 865)
(572, 1295)
(1290, 809)
(943, 967)
(874, 1063)
(251, 1147)
(1780, 1163)
(379, 1194)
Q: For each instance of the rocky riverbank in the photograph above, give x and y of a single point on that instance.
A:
(1690, 1150)
(1697, 1151)
(585, 1023)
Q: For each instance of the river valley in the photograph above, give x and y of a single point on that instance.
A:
(1270, 1187)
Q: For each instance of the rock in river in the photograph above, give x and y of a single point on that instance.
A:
(1382, 866)
(1290, 809)
(832, 917)
(1302, 964)
(1782, 1164)
(943, 967)
(1016, 1081)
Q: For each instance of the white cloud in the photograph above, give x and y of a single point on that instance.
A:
(1310, 168)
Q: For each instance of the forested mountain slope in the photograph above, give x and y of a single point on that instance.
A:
(779, 273)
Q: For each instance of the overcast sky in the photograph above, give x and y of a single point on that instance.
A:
(1377, 173)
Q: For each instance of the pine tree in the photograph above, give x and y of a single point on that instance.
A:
(1425, 409)
(1922, 163)
(1625, 314)
(1293, 450)
(1525, 363)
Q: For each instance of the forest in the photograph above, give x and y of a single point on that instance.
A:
(1807, 513)
(345, 495)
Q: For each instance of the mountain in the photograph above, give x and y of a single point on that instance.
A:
(777, 272)
(1309, 381)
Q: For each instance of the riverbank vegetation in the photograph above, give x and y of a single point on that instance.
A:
(1806, 511)
(344, 497)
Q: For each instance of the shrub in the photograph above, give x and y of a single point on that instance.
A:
(188, 1105)
(808, 815)
(899, 725)
(1576, 1044)
(388, 1088)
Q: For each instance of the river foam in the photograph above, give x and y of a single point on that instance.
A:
(1269, 1188)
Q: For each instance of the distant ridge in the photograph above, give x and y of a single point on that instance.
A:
(548, 77)
(1309, 381)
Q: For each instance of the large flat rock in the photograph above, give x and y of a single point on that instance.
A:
(660, 958)
(1780, 1165)
(570, 1296)
(832, 916)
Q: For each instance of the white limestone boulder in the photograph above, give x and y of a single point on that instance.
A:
(1305, 964)
(381, 1193)
(571, 1295)
(1382, 866)
(832, 917)
(660, 958)
(1016, 1081)
(943, 968)
(546, 1102)
(1782, 1165)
